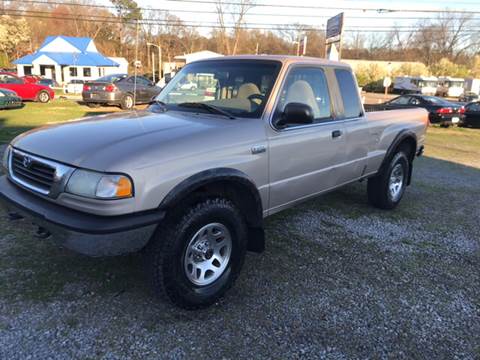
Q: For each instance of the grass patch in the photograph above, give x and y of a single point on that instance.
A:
(459, 145)
(16, 121)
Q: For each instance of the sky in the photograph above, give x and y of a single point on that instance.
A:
(317, 17)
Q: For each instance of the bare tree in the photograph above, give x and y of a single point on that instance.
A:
(237, 11)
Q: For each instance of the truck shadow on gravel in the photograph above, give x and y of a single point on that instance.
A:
(338, 279)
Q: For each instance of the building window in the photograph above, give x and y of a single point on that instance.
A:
(27, 70)
(87, 72)
(73, 71)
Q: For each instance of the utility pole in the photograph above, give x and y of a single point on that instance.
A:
(305, 39)
(159, 58)
(153, 66)
(135, 68)
(256, 48)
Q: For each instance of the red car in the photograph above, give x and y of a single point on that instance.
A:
(25, 89)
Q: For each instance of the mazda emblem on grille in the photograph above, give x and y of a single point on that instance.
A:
(27, 161)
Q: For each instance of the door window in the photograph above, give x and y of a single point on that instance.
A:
(306, 85)
(402, 100)
(349, 91)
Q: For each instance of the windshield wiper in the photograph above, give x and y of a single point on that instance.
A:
(211, 108)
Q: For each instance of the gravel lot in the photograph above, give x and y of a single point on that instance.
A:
(339, 280)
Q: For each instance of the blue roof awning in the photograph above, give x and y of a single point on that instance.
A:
(70, 59)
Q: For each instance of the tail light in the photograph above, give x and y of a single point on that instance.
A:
(461, 110)
(86, 87)
(208, 93)
(110, 88)
(444, 111)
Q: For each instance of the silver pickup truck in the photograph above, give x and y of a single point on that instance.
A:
(189, 180)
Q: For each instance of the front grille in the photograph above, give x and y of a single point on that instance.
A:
(32, 171)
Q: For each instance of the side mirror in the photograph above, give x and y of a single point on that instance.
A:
(296, 114)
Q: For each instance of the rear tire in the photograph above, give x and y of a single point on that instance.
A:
(127, 102)
(385, 190)
(43, 97)
(197, 255)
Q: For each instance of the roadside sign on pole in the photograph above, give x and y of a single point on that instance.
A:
(333, 37)
(386, 84)
(335, 26)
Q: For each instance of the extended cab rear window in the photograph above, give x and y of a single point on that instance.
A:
(349, 92)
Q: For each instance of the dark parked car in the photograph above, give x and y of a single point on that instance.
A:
(119, 90)
(9, 99)
(440, 111)
(472, 115)
(468, 97)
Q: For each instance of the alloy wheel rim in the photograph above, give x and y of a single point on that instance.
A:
(129, 102)
(43, 97)
(208, 254)
(396, 181)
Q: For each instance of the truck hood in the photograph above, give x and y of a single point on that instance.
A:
(108, 142)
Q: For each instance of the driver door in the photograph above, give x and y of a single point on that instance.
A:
(304, 159)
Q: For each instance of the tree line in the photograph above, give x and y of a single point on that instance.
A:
(445, 43)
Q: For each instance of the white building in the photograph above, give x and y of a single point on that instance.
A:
(65, 58)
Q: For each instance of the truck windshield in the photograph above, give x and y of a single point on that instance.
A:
(240, 87)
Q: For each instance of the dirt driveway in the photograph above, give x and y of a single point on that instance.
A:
(338, 280)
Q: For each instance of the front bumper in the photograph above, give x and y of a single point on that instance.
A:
(87, 234)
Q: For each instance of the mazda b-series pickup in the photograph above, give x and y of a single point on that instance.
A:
(189, 180)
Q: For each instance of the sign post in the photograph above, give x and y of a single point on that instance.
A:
(333, 37)
(386, 84)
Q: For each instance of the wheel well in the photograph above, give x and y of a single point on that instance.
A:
(245, 197)
(409, 144)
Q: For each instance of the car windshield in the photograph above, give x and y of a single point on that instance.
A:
(239, 87)
(112, 78)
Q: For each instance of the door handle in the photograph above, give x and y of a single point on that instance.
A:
(336, 133)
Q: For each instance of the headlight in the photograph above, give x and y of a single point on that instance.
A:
(5, 157)
(97, 185)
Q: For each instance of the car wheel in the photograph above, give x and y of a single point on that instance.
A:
(127, 102)
(385, 190)
(197, 255)
(43, 97)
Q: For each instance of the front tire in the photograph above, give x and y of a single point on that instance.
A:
(197, 255)
(385, 190)
(43, 97)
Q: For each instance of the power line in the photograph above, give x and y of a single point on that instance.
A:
(194, 23)
(380, 10)
(319, 7)
(367, 29)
